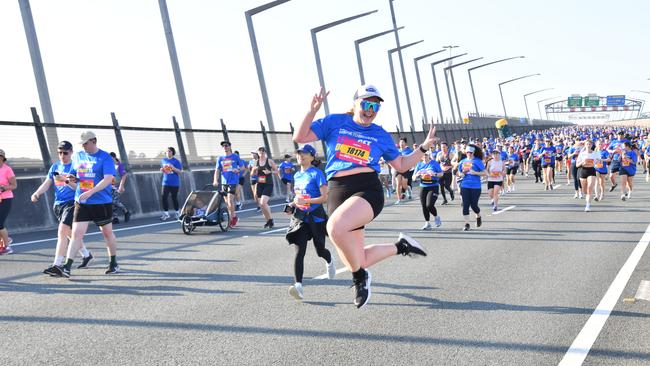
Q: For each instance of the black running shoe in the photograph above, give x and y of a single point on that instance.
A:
(451, 194)
(85, 261)
(362, 290)
(60, 271)
(271, 223)
(116, 220)
(113, 269)
(479, 221)
(613, 188)
(50, 271)
(127, 216)
(413, 247)
(444, 203)
(466, 227)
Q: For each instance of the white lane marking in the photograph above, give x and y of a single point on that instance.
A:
(125, 228)
(585, 340)
(557, 186)
(274, 231)
(324, 276)
(503, 210)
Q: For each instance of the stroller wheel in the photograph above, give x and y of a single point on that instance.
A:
(224, 220)
(187, 225)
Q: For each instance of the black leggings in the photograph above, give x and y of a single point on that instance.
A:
(5, 207)
(576, 179)
(470, 198)
(167, 190)
(301, 248)
(445, 184)
(537, 168)
(428, 197)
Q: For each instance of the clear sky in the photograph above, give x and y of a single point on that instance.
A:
(103, 56)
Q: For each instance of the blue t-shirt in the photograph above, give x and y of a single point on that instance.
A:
(286, 170)
(307, 184)
(90, 169)
(170, 178)
(647, 150)
(226, 166)
(536, 153)
(350, 145)
(614, 146)
(504, 155)
(62, 193)
(426, 172)
(251, 165)
(549, 158)
(628, 163)
(512, 160)
(601, 165)
(471, 180)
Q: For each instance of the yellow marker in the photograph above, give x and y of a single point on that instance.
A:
(629, 299)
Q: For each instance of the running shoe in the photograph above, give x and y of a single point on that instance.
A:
(258, 209)
(409, 193)
(596, 199)
(177, 215)
(580, 195)
(50, 270)
(612, 188)
(116, 220)
(495, 208)
(427, 226)
(623, 197)
(362, 290)
(438, 221)
(239, 206)
(127, 216)
(234, 221)
(466, 227)
(113, 269)
(575, 196)
(398, 202)
(296, 291)
(444, 203)
(85, 261)
(269, 224)
(451, 194)
(413, 247)
(6, 250)
(164, 216)
(331, 269)
(587, 208)
(551, 186)
(60, 271)
(479, 221)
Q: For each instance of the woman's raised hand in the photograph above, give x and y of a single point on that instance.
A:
(318, 99)
(431, 138)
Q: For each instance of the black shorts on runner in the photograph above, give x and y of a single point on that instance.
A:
(64, 213)
(615, 167)
(625, 172)
(585, 173)
(241, 181)
(364, 185)
(253, 181)
(559, 158)
(264, 189)
(229, 188)
(512, 170)
(492, 184)
(285, 181)
(100, 214)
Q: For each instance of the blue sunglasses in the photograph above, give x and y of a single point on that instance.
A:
(366, 106)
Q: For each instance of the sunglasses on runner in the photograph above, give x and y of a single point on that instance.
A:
(366, 106)
(64, 152)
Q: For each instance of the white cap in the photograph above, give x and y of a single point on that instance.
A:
(367, 91)
(88, 135)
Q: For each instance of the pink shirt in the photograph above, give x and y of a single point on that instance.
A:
(5, 174)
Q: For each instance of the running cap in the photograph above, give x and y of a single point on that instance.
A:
(64, 145)
(87, 136)
(307, 149)
(227, 143)
(470, 149)
(2, 153)
(367, 91)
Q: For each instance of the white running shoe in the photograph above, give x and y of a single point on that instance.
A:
(164, 216)
(438, 221)
(575, 196)
(296, 291)
(398, 202)
(413, 246)
(409, 193)
(177, 215)
(629, 195)
(623, 197)
(427, 226)
(331, 269)
(580, 195)
(587, 208)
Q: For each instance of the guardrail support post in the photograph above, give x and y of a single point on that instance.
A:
(181, 146)
(224, 130)
(42, 142)
(266, 141)
(295, 144)
(120, 142)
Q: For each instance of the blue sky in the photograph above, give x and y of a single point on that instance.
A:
(111, 56)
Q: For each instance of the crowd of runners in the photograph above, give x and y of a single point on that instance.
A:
(363, 168)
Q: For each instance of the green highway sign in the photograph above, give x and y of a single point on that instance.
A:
(575, 102)
(591, 101)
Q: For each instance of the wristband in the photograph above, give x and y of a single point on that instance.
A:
(424, 151)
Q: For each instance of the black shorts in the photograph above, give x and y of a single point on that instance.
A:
(5, 207)
(241, 181)
(615, 167)
(364, 185)
(264, 189)
(253, 181)
(492, 184)
(512, 170)
(407, 175)
(285, 181)
(559, 158)
(584, 172)
(229, 188)
(64, 213)
(623, 171)
(100, 214)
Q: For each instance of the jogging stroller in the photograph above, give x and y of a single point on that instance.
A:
(205, 207)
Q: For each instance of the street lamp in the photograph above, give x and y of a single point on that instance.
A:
(453, 82)
(450, 47)
(435, 82)
(392, 76)
(469, 72)
(401, 63)
(417, 74)
(358, 50)
(544, 100)
(256, 55)
(314, 42)
(526, 102)
(505, 114)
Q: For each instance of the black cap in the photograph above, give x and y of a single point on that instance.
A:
(64, 145)
(225, 143)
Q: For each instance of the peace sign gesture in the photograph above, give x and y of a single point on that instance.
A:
(431, 138)
(318, 99)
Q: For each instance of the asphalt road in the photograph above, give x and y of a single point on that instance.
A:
(516, 291)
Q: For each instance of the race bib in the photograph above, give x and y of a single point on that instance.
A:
(352, 151)
(288, 170)
(589, 162)
(226, 165)
(495, 174)
(167, 169)
(261, 179)
(86, 185)
(467, 166)
(626, 162)
(547, 159)
(599, 164)
(303, 196)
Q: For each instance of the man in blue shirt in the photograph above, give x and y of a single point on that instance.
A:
(616, 146)
(171, 182)
(404, 179)
(227, 174)
(286, 175)
(64, 191)
(93, 170)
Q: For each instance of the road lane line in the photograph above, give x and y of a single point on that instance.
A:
(274, 231)
(556, 186)
(503, 210)
(585, 340)
(324, 276)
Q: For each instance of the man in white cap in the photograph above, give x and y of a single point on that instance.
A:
(93, 170)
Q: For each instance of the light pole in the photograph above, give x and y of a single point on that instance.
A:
(417, 74)
(643, 102)
(453, 82)
(314, 41)
(505, 114)
(401, 63)
(358, 42)
(256, 55)
(450, 48)
(471, 84)
(526, 102)
(544, 100)
(392, 76)
(435, 82)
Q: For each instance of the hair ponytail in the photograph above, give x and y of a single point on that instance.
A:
(316, 162)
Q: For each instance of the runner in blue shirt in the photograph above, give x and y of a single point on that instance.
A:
(629, 159)
(536, 161)
(171, 170)
(354, 147)
(226, 173)
(253, 178)
(429, 172)
(548, 163)
(471, 169)
(286, 175)
(63, 208)
(614, 149)
(512, 165)
(646, 155)
(93, 170)
(403, 179)
(601, 171)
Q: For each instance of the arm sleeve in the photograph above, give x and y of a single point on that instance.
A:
(322, 127)
(320, 178)
(480, 166)
(390, 151)
(49, 173)
(121, 169)
(177, 164)
(218, 164)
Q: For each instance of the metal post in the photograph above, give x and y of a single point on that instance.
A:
(178, 79)
(471, 85)
(435, 82)
(295, 144)
(256, 56)
(453, 83)
(469, 72)
(451, 101)
(527, 114)
(181, 146)
(224, 130)
(266, 141)
(401, 62)
(417, 74)
(357, 48)
(39, 75)
(392, 74)
(120, 141)
(45, 153)
(413, 134)
(505, 115)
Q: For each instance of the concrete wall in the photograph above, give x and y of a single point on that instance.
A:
(142, 197)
